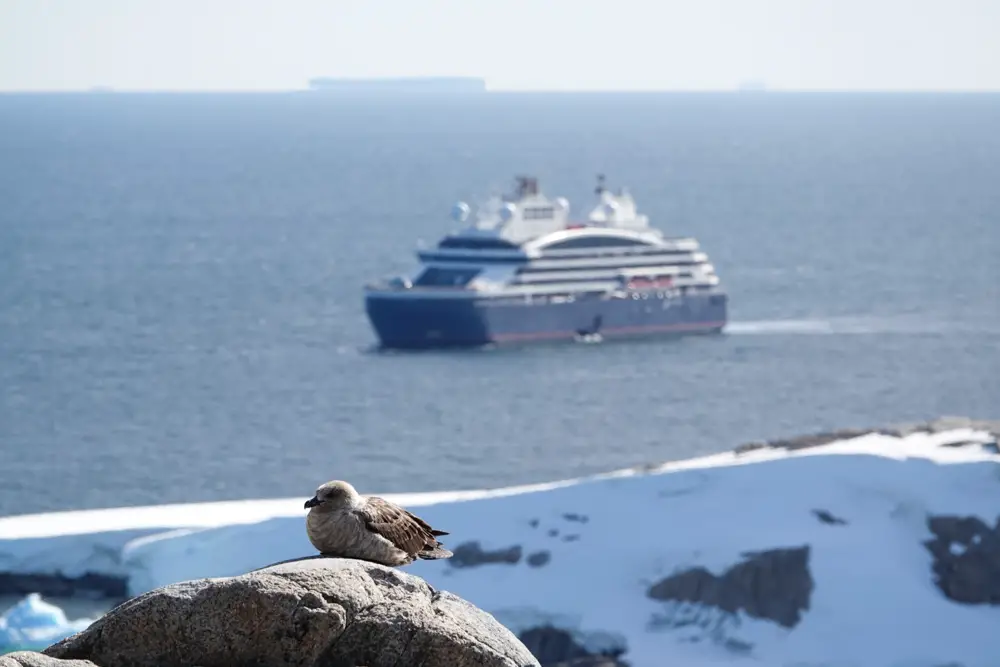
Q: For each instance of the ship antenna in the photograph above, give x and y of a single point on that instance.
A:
(600, 184)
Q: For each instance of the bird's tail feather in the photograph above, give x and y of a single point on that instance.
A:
(435, 553)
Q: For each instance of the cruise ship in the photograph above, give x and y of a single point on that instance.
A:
(522, 269)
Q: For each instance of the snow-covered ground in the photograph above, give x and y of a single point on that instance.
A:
(607, 539)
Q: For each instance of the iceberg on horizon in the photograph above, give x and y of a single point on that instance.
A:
(416, 84)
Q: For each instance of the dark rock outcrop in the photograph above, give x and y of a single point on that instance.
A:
(829, 519)
(551, 645)
(749, 447)
(774, 585)
(938, 425)
(948, 423)
(325, 611)
(471, 554)
(555, 647)
(825, 438)
(966, 558)
(591, 661)
(538, 558)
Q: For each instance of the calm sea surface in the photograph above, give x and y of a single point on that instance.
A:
(181, 314)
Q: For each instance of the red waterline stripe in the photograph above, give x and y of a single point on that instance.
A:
(541, 335)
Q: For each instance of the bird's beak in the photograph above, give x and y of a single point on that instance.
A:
(312, 502)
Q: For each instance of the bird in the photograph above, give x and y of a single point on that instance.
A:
(343, 523)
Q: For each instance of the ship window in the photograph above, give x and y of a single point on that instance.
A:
(594, 242)
(438, 277)
(543, 213)
(477, 244)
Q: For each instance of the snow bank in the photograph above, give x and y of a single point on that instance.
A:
(590, 549)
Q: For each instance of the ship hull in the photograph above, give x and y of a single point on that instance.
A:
(404, 320)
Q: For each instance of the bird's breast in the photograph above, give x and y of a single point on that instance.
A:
(334, 532)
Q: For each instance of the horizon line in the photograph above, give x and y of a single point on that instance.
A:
(110, 90)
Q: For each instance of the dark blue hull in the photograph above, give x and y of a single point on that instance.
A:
(408, 320)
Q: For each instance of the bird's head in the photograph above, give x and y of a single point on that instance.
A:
(333, 496)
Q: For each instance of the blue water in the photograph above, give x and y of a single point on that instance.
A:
(180, 285)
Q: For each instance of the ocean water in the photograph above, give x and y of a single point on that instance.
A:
(181, 314)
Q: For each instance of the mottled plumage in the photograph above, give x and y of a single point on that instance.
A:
(343, 523)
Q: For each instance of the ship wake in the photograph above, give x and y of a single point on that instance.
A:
(839, 326)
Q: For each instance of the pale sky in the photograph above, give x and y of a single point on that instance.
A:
(513, 44)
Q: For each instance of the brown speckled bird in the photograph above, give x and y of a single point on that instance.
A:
(343, 523)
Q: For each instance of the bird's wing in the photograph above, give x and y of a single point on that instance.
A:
(406, 531)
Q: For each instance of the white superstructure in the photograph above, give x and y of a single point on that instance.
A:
(526, 243)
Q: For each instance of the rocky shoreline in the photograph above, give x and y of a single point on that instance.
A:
(698, 600)
(103, 586)
(938, 425)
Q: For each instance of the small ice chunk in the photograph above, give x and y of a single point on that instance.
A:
(34, 624)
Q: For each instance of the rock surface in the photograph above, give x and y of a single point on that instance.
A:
(966, 558)
(774, 585)
(32, 659)
(325, 611)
